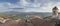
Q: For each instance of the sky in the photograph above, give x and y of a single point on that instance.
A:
(29, 5)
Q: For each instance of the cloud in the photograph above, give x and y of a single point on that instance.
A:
(16, 8)
(35, 6)
(43, 6)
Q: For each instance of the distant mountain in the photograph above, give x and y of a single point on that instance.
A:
(42, 14)
(11, 12)
(14, 12)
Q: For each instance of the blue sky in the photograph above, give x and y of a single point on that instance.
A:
(28, 5)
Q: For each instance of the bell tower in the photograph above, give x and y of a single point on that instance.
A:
(55, 11)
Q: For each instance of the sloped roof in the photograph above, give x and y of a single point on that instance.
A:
(55, 8)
